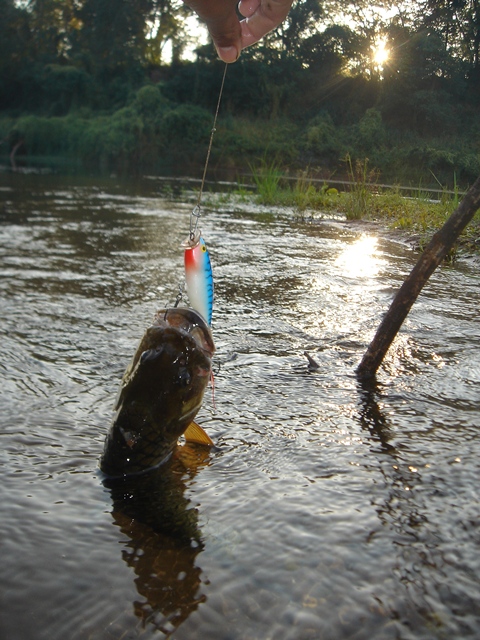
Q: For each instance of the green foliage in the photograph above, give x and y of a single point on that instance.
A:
(41, 136)
(15, 53)
(371, 132)
(307, 195)
(117, 142)
(87, 80)
(242, 140)
(273, 188)
(301, 21)
(322, 139)
(63, 88)
(432, 159)
(419, 215)
(433, 111)
(110, 36)
(132, 137)
(187, 124)
(150, 103)
(6, 127)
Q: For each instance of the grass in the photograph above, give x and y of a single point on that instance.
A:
(267, 176)
(303, 194)
(364, 200)
(363, 179)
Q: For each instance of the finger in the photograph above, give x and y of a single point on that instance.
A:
(248, 7)
(225, 31)
(223, 25)
(267, 16)
(228, 54)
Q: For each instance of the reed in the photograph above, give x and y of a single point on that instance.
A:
(267, 176)
(358, 200)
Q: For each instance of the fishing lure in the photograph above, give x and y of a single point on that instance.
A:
(199, 276)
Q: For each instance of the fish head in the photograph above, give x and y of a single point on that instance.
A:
(170, 370)
(188, 321)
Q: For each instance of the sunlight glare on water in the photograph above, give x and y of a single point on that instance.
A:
(360, 259)
(328, 510)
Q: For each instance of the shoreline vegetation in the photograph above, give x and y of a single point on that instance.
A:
(416, 216)
(313, 166)
(152, 133)
(412, 214)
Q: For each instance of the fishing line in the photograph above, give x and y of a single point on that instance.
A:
(196, 213)
(194, 235)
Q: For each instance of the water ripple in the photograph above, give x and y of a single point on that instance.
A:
(328, 510)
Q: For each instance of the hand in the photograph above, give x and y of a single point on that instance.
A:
(230, 35)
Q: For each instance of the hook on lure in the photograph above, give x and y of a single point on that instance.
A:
(194, 235)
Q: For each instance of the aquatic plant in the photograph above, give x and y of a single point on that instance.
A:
(363, 183)
(266, 176)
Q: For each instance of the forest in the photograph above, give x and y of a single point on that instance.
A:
(131, 86)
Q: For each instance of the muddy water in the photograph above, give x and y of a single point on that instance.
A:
(328, 511)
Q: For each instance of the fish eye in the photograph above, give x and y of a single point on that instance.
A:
(204, 248)
(184, 377)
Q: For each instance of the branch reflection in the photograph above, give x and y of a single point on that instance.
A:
(371, 416)
(401, 508)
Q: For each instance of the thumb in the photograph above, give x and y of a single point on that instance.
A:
(228, 54)
(226, 35)
(221, 20)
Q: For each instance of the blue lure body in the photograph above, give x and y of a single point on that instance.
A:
(199, 277)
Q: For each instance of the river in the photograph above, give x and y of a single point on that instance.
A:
(327, 511)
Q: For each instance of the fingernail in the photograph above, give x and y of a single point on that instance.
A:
(228, 54)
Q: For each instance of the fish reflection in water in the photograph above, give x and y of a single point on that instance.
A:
(162, 525)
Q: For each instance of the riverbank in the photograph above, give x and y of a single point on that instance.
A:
(414, 218)
(153, 134)
(409, 215)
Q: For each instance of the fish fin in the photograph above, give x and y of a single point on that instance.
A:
(195, 433)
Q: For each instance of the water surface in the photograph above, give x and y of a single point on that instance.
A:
(329, 511)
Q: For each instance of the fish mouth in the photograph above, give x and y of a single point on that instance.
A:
(177, 349)
(187, 321)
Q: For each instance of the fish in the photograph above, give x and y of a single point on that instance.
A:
(199, 276)
(161, 393)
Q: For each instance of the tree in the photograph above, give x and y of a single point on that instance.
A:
(458, 21)
(110, 37)
(166, 24)
(50, 24)
(15, 52)
(301, 22)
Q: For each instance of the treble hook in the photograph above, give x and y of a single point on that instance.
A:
(177, 300)
(179, 296)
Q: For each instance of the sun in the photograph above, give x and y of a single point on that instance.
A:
(380, 54)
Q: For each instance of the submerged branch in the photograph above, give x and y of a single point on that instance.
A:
(439, 246)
